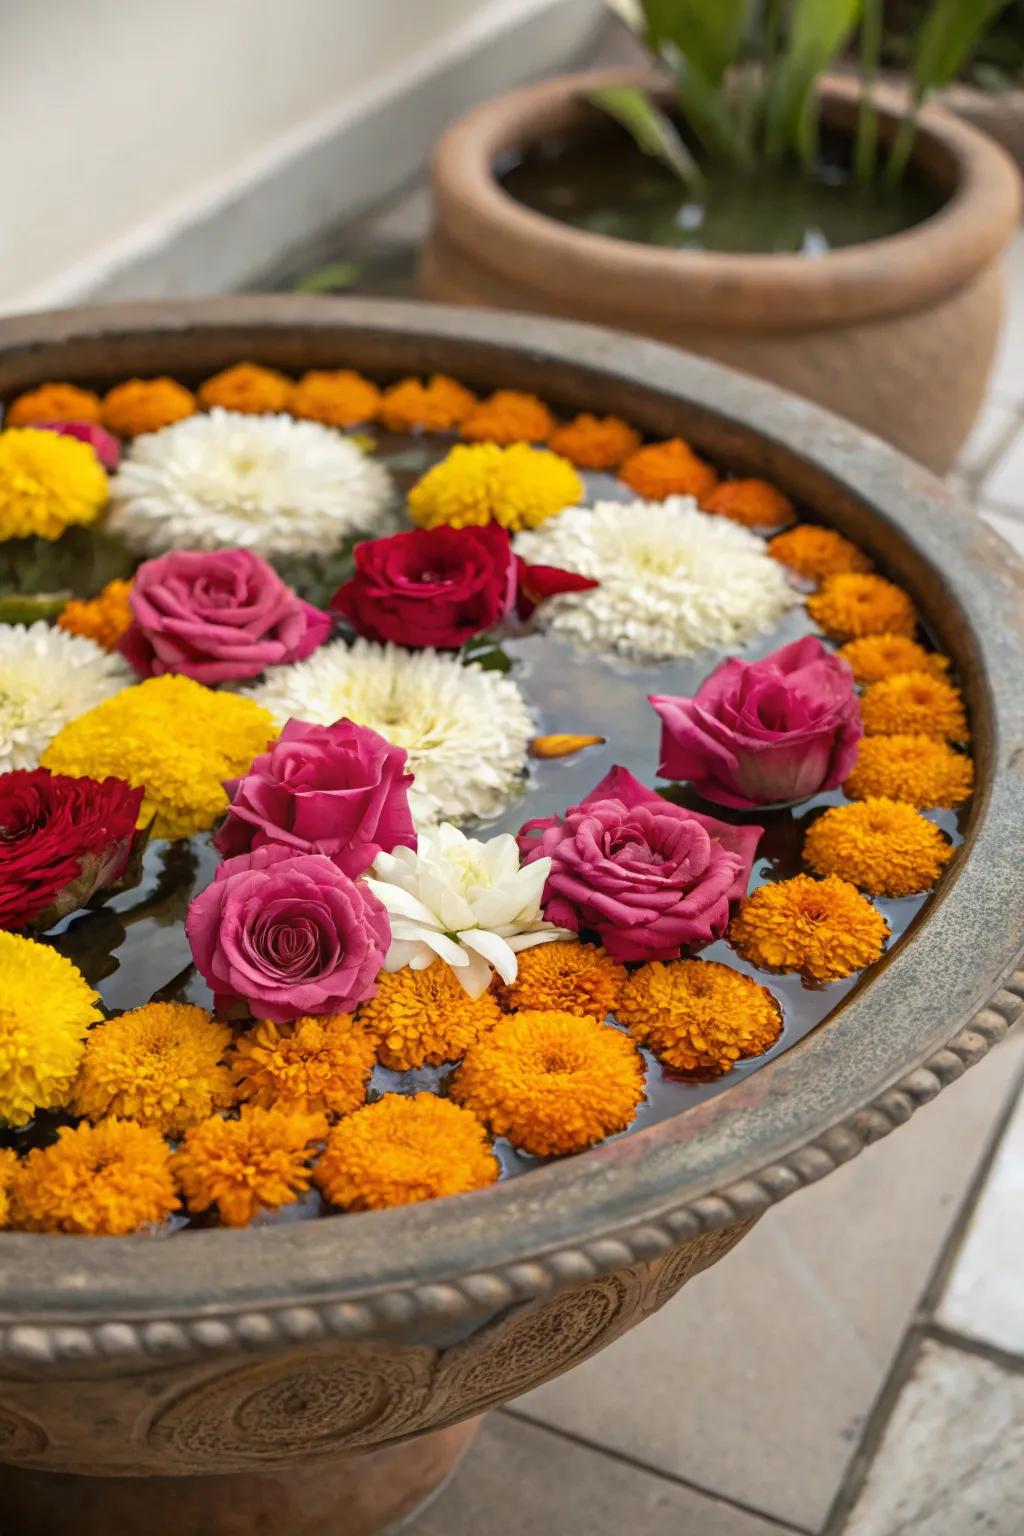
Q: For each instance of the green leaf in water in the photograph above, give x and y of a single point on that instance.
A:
(652, 130)
(485, 651)
(818, 31)
(336, 275)
(27, 607)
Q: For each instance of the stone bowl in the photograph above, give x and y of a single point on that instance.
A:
(327, 1374)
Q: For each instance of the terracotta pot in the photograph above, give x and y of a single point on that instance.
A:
(897, 335)
(1000, 114)
(296, 1378)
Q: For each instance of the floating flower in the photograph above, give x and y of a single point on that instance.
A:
(885, 847)
(435, 406)
(52, 402)
(560, 744)
(260, 1161)
(248, 388)
(673, 581)
(466, 730)
(764, 732)
(916, 769)
(101, 1180)
(508, 416)
(595, 442)
(699, 1017)
(314, 1065)
(853, 604)
(170, 735)
(825, 929)
(667, 469)
(8, 1169)
(754, 503)
(265, 483)
(465, 900)
(426, 1017)
(536, 583)
(402, 1150)
(161, 1065)
(878, 656)
(46, 1007)
(48, 482)
(338, 399)
(146, 405)
(48, 678)
(518, 487)
(551, 1082)
(816, 553)
(566, 977)
(103, 619)
(103, 443)
(913, 703)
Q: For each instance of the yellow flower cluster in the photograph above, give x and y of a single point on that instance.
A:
(258, 1162)
(53, 402)
(404, 1149)
(912, 703)
(46, 1007)
(101, 1180)
(314, 1065)
(104, 618)
(146, 405)
(885, 847)
(824, 929)
(425, 1018)
(48, 482)
(915, 768)
(160, 1065)
(518, 487)
(565, 977)
(699, 1017)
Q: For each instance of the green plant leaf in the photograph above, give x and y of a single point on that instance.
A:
(329, 279)
(949, 32)
(818, 30)
(708, 33)
(650, 128)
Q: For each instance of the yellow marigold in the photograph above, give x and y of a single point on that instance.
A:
(878, 656)
(884, 846)
(404, 1149)
(754, 503)
(518, 487)
(161, 1064)
(8, 1168)
(508, 416)
(101, 1180)
(46, 1007)
(665, 469)
(146, 405)
(916, 769)
(815, 552)
(912, 703)
(435, 406)
(47, 483)
(314, 1064)
(175, 737)
(595, 442)
(258, 1162)
(424, 1018)
(825, 929)
(699, 1017)
(854, 603)
(53, 402)
(248, 388)
(338, 399)
(104, 618)
(565, 977)
(551, 1082)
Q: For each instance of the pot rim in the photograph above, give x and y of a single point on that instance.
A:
(800, 1114)
(763, 292)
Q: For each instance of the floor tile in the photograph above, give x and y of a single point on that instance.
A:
(520, 1478)
(755, 1382)
(952, 1459)
(1003, 486)
(991, 431)
(1009, 528)
(1007, 381)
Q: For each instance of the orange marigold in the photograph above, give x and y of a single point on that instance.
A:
(248, 388)
(314, 1064)
(404, 1149)
(338, 399)
(825, 929)
(508, 416)
(552, 1082)
(435, 406)
(424, 1018)
(103, 1180)
(913, 703)
(754, 503)
(53, 402)
(8, 1168)
(699, 1017)
(258, 1162)
(595, 442)
(104, 618)
(884, 846)
(878, 656)
(854, 603)
(815, 553)
(917, 769)
(668, 469)
(565, 977)
(146, 405)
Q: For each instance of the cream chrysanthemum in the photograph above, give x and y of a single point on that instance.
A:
(466, 730)
(673, 580)
(265, 483)
(48, 678)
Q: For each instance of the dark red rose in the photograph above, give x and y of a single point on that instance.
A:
(62, 839)
(536, 582)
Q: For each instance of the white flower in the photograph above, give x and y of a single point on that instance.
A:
(47, 678)
(674, 580)
(266, 483)
(466, 730)
(464, 900)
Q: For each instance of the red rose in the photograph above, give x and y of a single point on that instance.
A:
(63, 839)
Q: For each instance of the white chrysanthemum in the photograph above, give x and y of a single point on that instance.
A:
(465, 900)
(466, 730)
(49, 677)
(674, 580)
(266, 483)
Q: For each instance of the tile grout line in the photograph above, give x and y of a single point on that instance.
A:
(982, 1349)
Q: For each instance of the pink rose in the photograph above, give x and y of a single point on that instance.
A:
(650, 878)
(764, 732)
(288, 934)
(217, 616)
(103, 443)
(340, 790)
